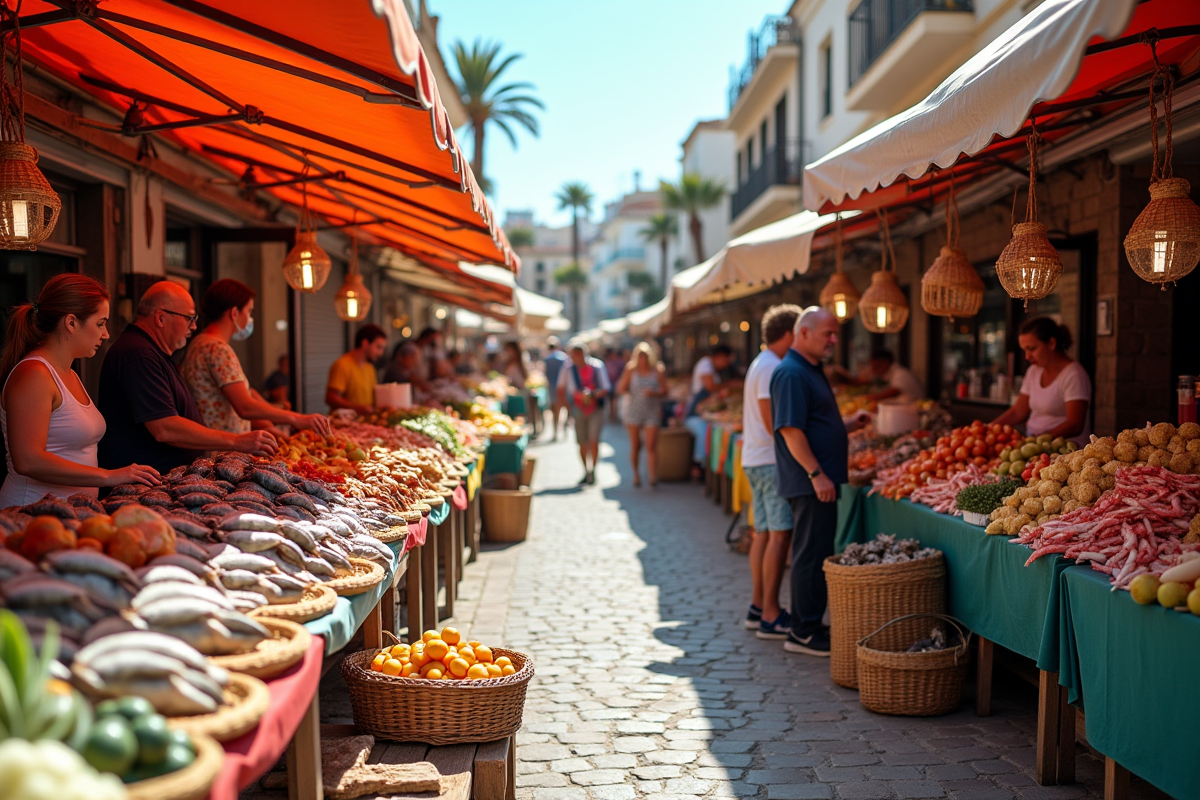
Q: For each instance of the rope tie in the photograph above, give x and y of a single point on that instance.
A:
(1160, 171)
(12, 94)
(1033, 142)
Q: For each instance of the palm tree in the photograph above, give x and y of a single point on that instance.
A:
(690, 196)
(479, 70)
(575, 195)
(574, 278)
(645, 283)
(520, 237)
(662, 228)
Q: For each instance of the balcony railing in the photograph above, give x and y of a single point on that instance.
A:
(875, 24)
(774, 30)
(779, 167)
(622, 254)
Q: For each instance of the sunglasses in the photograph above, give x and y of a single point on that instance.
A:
(191, 318)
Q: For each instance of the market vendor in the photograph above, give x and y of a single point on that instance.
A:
(351, 381)
(1056, 393)
(433, 349)
(706, 376)
(407, 367)
(899, 382)
(214, 374)
(152, 417)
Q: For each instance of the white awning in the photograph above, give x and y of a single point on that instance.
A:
(1033, 61)
(753, 261)
(649, 319)
(534, 305)
(558, 324)
(467, 320)
(613, 326)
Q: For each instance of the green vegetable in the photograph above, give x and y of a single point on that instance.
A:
(984, 498)
(132, 707)
(154, 738)
(32, 704)
(111, 747)
(183, 739)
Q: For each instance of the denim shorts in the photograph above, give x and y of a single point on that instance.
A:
(771, 512)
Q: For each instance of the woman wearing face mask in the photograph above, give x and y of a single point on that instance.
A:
(214, 375)
(53, 449)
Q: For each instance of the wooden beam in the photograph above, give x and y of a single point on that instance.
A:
(63, 121)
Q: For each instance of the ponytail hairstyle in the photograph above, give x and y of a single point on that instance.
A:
(1046, 329)
(32, 323)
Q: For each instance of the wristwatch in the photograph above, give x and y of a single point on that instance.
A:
(814, 473)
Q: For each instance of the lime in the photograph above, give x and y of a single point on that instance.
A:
(176, 758)
(183, 739)
(154, 737)
(133, 707)
(107, 708)
(111, 745)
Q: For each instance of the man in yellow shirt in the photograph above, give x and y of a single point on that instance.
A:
(351, 381)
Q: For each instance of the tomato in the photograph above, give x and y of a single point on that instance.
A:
(969, 442)
(990, 439)
(914, 467)
(956, 442)
(924, 477)
(979, 461)
(1007, 429)
(941, 473)
(961, 453)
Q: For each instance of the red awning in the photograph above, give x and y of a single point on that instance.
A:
(334, 93)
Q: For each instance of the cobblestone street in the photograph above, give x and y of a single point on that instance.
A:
(648, 686)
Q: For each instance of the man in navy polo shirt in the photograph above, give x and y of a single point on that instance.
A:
(811, 455)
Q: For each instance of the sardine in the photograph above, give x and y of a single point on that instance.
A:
(165, 589)
(319, 567)
(172, 695)
(249, 522)
(269, 480)
(239, 623)
(187, 527)
(290, 552)
(238, 560)
(254, 541)
(156, 643)
(196, 566)
(13, 564)
(238, 579)
(335, 559)
(87, 561)
(301, 537)
(246, 600)
(167, 572)
(172, 611)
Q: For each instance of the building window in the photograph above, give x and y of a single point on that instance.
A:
(762, 137)
(749, 154)
(826, 77)
(740, 174)
(541, 267)
(540, 286)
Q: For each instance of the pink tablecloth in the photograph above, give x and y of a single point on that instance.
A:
(249, 757)
(417, 531)
(460, 497)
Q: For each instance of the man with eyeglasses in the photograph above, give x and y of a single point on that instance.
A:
(152, 417)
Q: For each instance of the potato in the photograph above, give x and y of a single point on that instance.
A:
(1180, 463)
(1052, 505)
(1066, 493)
(1189, 431)
(1141, 437)
(1032, 506)
(1127, 437)
(1048, 487)
(1004, 512)
(1125, 451)
(1087, 493)
(1160, 434)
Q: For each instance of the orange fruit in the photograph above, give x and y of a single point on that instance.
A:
(451, 635)
(477, 672)
(406, 670)
(429, 636)
(483, 653)
(377, 662)
(508, 670)
(468, 654)
(391, 667)
(459, 667)
(433, 671)
(474, 644)
(437, 649)
(503, 661)
(494, 671)
(398, 650)
(419, 659)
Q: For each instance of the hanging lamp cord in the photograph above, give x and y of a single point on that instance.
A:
(1033, 142)
(886, 252)
(837, 238)
(1160, 170)
(12, 94)
(953, 228)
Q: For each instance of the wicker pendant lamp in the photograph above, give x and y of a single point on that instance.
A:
(28, 206)
(306, 266)
(839, 297)
(884, 306)
(1029, 267)
(1163, 244)
(352, 301)
(951, 288)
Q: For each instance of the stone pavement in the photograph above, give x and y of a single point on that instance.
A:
(648, 686)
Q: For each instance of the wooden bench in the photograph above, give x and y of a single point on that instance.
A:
(484, 771)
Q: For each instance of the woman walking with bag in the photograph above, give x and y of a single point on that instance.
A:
(584, 384)
(644, 381)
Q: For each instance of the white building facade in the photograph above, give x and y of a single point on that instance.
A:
(550, 251)
(708, 151)
(618, 251)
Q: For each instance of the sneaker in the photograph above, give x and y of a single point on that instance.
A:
(753, 618)
(779, 629)
(591, 478)
(816, 644)
(585, 479)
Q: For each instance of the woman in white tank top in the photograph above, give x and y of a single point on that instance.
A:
(56, 427)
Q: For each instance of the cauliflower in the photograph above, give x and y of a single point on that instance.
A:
(1125, 451)
(1141, 437)
(1052, 505)
(1161, 434)
(1032, 506)
(1127, 437)
(1070, 506)
(1180, 463)
(995, 528)
(1091, 475)
(1004, 512)
(1056, 472)
(49, 770)
(1189, 431)
(1159, 458)
(1087, 492)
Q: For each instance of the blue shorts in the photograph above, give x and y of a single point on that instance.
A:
(771, 512)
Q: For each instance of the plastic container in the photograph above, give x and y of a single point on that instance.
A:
(896, 418)
(973, 518)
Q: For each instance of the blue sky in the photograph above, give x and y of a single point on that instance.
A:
(623, 82)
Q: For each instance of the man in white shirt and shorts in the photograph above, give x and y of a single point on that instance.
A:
(772, 514)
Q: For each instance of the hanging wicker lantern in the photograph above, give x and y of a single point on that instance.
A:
(839, 297)
(28, 206)
(307, 265)
(1163, 244)
(1029, 266)
(352, 301)
(951, 287)
(884, 306)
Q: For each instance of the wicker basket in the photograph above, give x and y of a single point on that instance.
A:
(892, 681)
(366, 574)
(190, 783)
(674, 454)
(527, 470)
(391, 534)
(316, 602)
(288, 643)
(436, 712)
(246, 700)
(506, 514)
(863, 598)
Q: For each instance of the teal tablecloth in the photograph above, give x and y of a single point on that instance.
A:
(338, 626)
(505, 456)
(987, 585)
(734, 438)
(1134, 669)
(514, 405)
(438, 515)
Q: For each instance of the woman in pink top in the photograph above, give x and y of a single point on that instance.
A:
(53, 448)
(1056, 394)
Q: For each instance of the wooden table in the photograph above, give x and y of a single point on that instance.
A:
(469, 771)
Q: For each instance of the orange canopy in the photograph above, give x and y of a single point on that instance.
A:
(276, 91)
